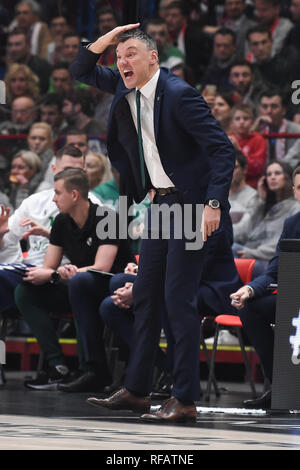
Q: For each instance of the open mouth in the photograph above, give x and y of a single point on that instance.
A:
(128, 73)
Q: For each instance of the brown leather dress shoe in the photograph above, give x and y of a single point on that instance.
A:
(173, 411)
(123, 400)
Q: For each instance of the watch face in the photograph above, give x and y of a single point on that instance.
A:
(214, 203)
(55, 276)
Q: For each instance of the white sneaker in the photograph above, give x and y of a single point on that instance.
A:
(225, 338)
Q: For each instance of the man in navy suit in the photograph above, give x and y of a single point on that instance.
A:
(258, 314)
(181, 152)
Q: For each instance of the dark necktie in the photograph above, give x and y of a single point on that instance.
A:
(140, 139)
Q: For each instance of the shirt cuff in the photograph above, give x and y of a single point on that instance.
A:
(251, 291)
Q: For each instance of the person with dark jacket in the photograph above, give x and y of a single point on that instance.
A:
(162, 136)
(257, 305)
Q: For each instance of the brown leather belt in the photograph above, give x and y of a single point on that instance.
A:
(164, 191)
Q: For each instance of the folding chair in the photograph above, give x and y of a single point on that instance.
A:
(245, 270)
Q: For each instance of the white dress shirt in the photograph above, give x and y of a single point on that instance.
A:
(155, 169)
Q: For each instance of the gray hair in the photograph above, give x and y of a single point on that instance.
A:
(140, 35)
(35, 7)
(31, 159)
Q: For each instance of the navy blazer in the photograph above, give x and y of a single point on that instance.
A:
(291, 229)
(195, 153)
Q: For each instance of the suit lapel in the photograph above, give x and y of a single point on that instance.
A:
(158, 99)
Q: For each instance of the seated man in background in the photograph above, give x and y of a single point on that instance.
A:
(244, 82)
(73, 137)
(272, 119)
(32, 221)
(28, 19)
(78, 110)
(277, 70)
(51, 113)
(23, 115)
(18, 51)
(168, 54)
(72, 287)
(257, 305)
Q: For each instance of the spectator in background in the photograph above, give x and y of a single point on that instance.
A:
(103, 102)
(268, 14)
(60, 80)
(224, 54)
(70, 47)
(176, 20)
(235, 18)
(32, 220)
(24, 113)
(51, 113)
(97, 168)
(28, 20)
(73, 137)
(21, 81)
(271, 119)
(209, 93)
(242, 199)
(189, 37)
(293, 37)
(75, 288)
(169, 55)
(40, 141)
(109, 192)
(18, 50)
(40, 137)
(274, 204)
(58, 28)
(244, 82)
(107, 20)
(252, 144)
(258, 306)
(185, 72)
(78, 138)
(25, 166)
(221, 109)
(279, 69)
(78, 110)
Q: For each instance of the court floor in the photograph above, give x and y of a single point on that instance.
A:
(36, 420)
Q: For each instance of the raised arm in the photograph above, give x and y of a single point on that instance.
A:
(85, 68)
(109, 39)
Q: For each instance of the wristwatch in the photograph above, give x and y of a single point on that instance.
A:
(214, 203)
(55, 277)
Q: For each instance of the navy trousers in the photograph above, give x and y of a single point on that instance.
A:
(169, 273)
(121, 322)
(257, 317)
(86, 292)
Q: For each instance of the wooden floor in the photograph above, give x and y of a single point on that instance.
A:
(35, 420)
